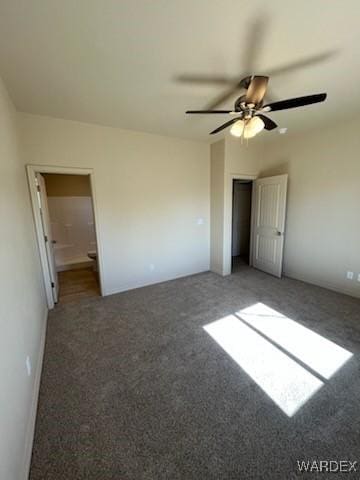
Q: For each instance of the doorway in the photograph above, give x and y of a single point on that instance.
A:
(241, 224)
(65, 218)
(267, 232)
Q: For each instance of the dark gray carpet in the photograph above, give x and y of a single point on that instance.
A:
(133, 388)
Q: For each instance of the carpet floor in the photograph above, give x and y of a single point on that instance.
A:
(134, 388)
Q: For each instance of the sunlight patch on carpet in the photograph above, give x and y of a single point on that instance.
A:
(287, 383)
(320, 354)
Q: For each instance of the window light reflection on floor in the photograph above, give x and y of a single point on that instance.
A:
(281, 377)
(319, 353)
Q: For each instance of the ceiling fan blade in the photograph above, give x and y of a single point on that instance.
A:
(204, 79)
(230, 92)
(241, 84)
(294, 102)
(254, 42)
(257, 89)
(302, 63)
(225, 125)
(269, 124)
(208, 111)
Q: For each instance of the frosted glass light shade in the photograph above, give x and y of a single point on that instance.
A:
(237, 129)
(253, 127)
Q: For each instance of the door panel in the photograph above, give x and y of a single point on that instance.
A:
(45, 220)
(268, 211)
(269, 225)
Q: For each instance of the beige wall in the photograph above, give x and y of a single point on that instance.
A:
(22, 305)
(242, 158)
(58, 185)
(323, 227)
(217, 165)
(150, 190)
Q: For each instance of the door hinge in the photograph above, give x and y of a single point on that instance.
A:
(45, 238)
(38, 188)
(52, 285)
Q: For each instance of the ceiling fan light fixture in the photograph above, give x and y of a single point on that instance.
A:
(238, 128)
(254, 126)
(250, 109)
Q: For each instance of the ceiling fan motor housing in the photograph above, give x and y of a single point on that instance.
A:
(239, 104)
(246, 110)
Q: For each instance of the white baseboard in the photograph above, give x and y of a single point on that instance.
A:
(320, 283)
(35, 395)
(141, 284)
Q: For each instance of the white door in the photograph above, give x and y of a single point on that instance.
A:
(45, 220)
(269, 223)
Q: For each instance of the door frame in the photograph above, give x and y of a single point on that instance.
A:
(228, 219)
(46, 230)
(32, 170)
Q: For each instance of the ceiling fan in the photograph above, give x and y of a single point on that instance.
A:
(249, 109)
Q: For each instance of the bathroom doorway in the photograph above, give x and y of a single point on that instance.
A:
(65, 219)
(73, 235)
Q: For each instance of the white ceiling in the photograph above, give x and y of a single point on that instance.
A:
(116, 62)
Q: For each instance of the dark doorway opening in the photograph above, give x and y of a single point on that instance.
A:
(241, 224)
